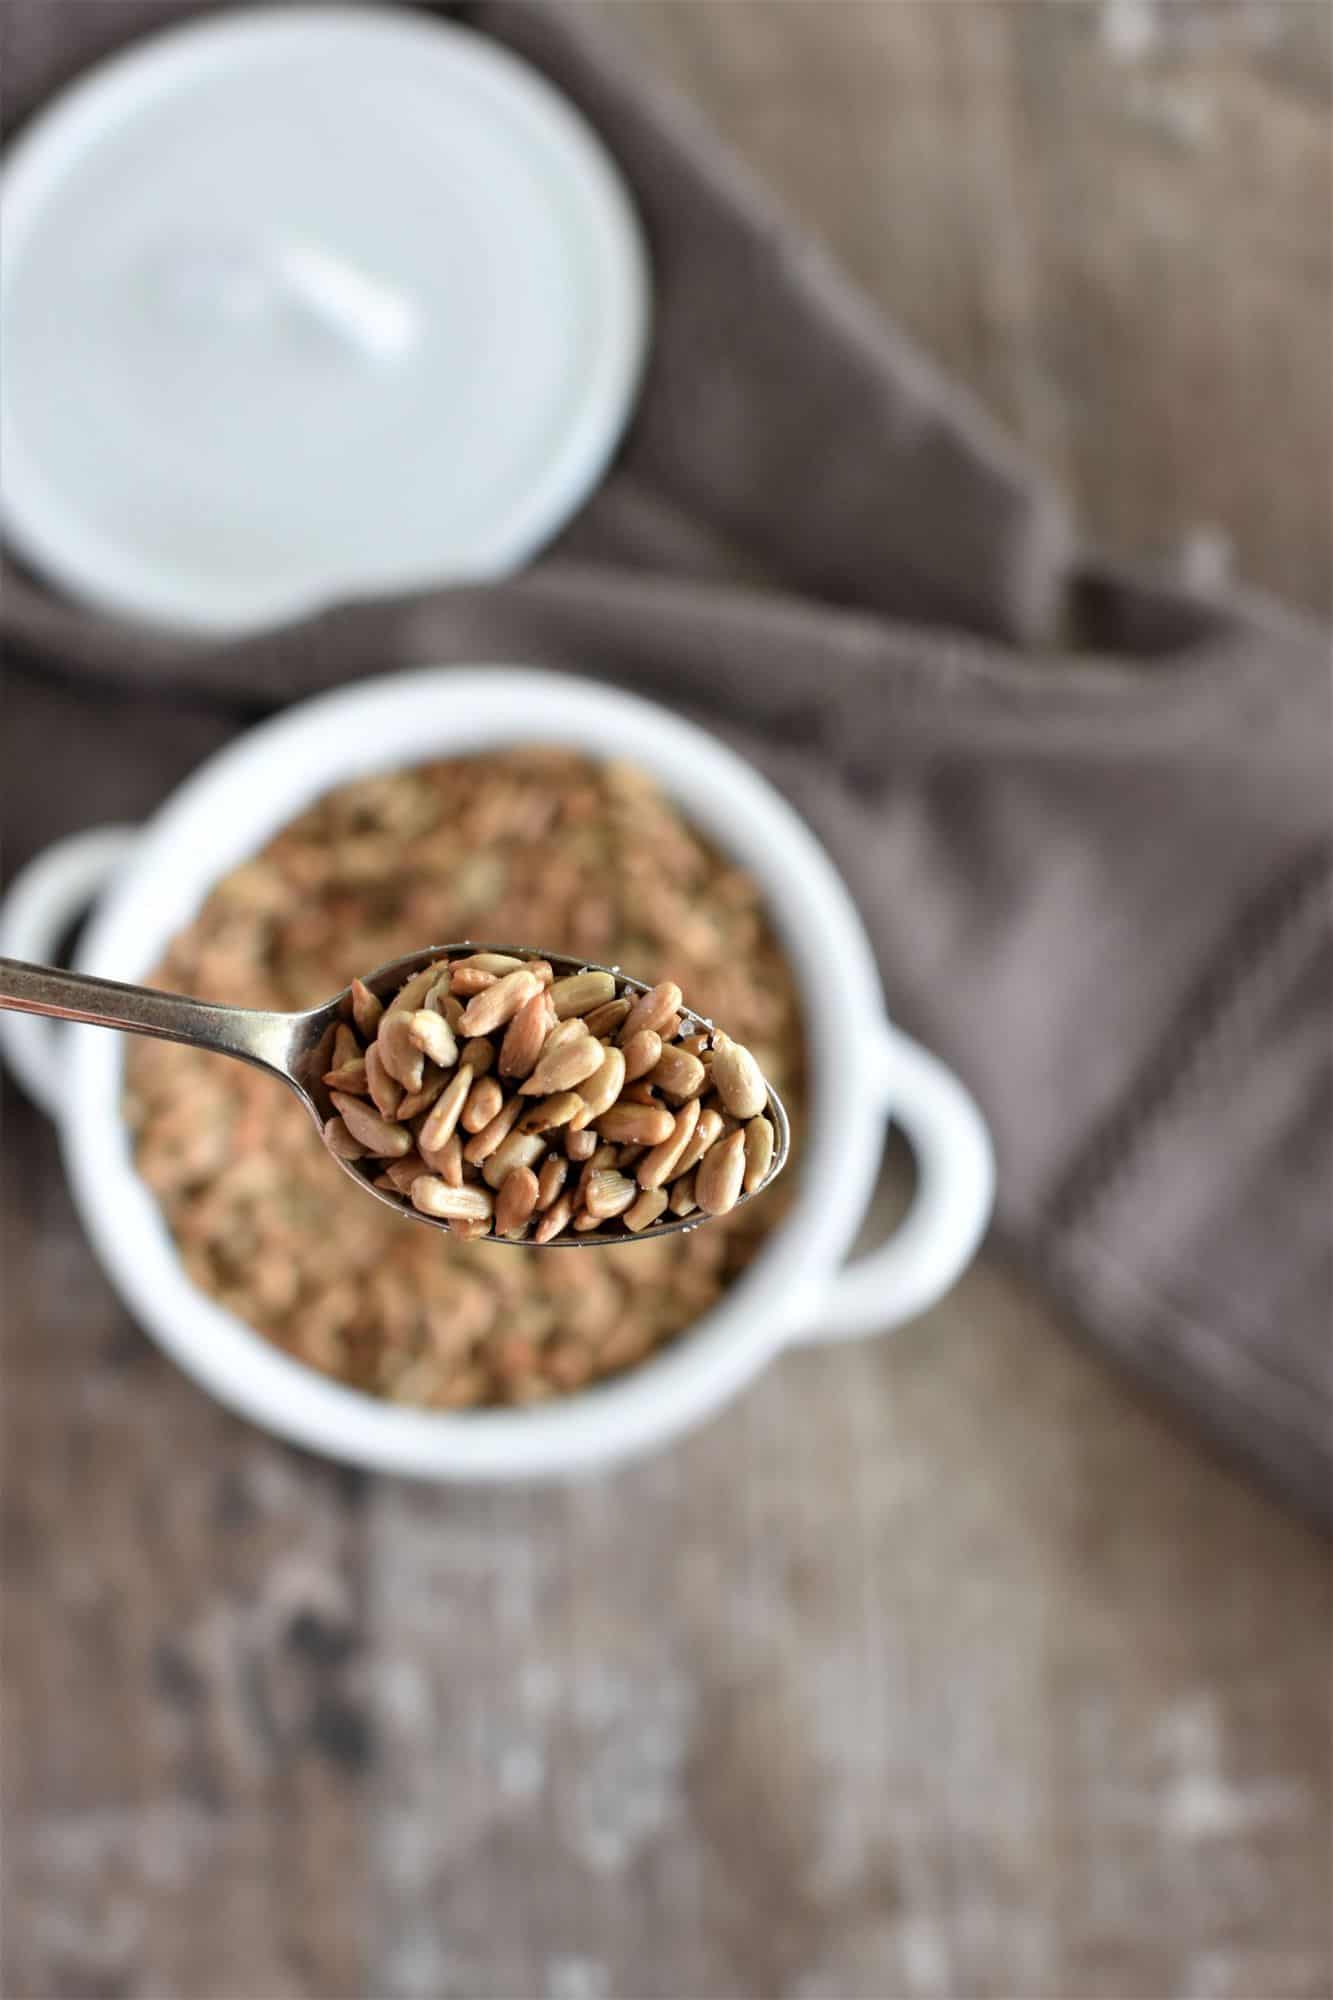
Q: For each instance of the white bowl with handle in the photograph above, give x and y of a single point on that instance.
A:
(145, 884)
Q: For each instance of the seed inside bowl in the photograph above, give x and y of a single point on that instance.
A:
(518, 842)
(464, 1096)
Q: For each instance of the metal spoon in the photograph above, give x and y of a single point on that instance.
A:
(298, 1047)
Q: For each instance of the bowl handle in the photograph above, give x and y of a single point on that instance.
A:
(955, 1185)
(43, 900)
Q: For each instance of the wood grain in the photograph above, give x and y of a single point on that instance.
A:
(1113, 219)
(183, 1652)
(941, 1667)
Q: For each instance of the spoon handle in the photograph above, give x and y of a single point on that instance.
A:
(255, 1037)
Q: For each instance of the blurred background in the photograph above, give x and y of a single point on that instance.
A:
(948, 1666)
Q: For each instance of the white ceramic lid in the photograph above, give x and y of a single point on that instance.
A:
(307, 304)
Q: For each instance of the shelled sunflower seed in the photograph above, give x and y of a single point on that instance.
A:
(497, 1048)
(526, 842)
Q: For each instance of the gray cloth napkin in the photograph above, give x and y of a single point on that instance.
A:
(1086, 815)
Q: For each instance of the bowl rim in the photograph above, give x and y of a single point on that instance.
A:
(228, 807)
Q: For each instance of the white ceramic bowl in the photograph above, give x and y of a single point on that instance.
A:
(147, 883)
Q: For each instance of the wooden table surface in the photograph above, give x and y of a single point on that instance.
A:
(945, 1667)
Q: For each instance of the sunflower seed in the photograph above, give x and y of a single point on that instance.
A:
(555, 1219)
(491, 1009)
(597, 1162)
(718, 1177)
(412, 993)
(432, 1083)
(447, 1162)
(346, 1047)
(483, 1103)
(385, 1090)
(656, 1168)
(758, 1153)
(340, 1141)
(434, 1037)
(483, 1144)
(678, 1074)
(549, 1113)
(493, 962)
(517, 1149)
(572, 1063)
(609, 1193)
(601, 1089)
(444, 1113)
(351, 1077)
(463, 1204)
(421, 1101)
(380, 1139)
(648, 1207)
(469, 980)
(738, 1079)
(402, 1173)
(636, 1124)
(517, 1199)
(401, 1055)
(651, 1010)
(525, 1035)
(641, 1053)
(605, 1020)
(551, 1179)
(366, 1010)
(564, 1031)
(581, 993)
(708, 1130)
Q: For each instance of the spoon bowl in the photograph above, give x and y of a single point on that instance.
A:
(298, 1048)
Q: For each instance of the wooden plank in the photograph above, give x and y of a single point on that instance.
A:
(1114, 221)
(938, 1666)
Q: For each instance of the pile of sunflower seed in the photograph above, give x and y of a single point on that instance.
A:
(493, 1096)
(531, 843)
